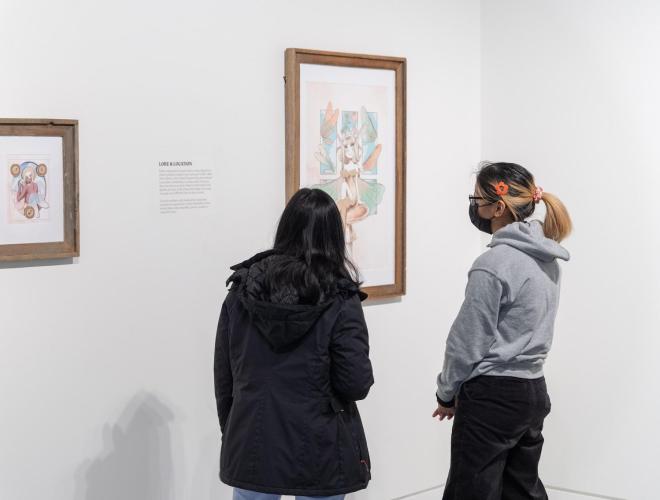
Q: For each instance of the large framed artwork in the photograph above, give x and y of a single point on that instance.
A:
(38, 189)
(346, 135)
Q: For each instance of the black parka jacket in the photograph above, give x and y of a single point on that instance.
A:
(286, 380)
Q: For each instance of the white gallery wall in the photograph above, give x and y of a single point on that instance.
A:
(571, 89)
(105, 361)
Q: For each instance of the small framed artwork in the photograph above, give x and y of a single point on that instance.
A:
(346, 135)
(38, 189)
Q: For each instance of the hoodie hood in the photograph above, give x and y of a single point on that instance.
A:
(278, 315)
(528, 237)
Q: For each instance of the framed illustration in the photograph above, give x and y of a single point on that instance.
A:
(38, 189)
(346, 135)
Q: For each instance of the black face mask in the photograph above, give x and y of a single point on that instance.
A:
(479, 222)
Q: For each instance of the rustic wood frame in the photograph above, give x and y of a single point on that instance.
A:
(68, 131)
(293, 59)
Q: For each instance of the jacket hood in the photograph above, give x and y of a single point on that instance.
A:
(278, 315)
(528, 237)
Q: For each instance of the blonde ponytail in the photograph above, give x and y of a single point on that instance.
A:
(558, 224)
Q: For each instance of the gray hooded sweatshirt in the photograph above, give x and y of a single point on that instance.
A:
(506, 323)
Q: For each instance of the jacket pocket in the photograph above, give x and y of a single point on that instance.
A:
(364, 457)
(356, 442)
(361, 440)
(224, 424)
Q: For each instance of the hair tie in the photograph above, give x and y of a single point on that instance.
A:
(538, 194)
(501, 189)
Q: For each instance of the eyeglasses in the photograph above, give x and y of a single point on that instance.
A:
(473, 201)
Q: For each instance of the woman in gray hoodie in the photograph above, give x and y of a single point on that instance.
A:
(492, 379)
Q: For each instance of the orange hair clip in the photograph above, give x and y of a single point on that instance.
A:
(501, 189)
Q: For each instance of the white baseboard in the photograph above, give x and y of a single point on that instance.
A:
(566, 495)
(562, 494)
(434, 493)
(553, 494)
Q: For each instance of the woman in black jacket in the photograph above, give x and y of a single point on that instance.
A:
(291, 359)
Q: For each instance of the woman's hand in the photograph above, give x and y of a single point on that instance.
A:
(443, 412)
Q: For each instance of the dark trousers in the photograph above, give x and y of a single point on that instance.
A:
(496, 440)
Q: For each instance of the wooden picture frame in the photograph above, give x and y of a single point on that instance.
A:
(39, 192)
(354, 71)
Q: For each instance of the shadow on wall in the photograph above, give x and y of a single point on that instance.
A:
(38, 263)
(136, 462)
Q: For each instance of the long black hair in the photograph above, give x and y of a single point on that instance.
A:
(311, 235)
